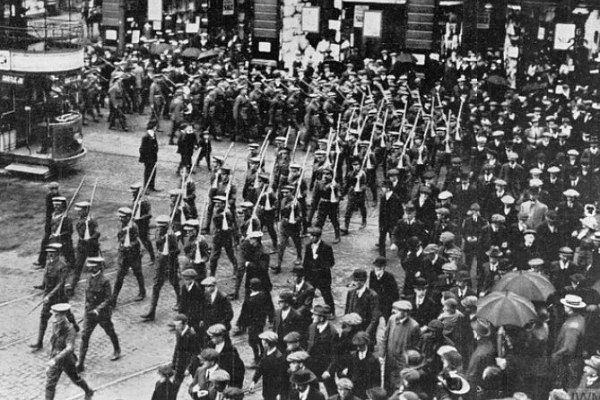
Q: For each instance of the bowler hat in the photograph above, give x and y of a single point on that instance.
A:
(302, 377)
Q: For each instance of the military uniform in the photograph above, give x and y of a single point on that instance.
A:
(64, 236)
(55, 279)
(166, 265)
(290, 220)
(63, 356)
(326, 202)
(87, 246)
(128, 257)
(98, 311)
(223, 237)
(355, 188)
(142, 219)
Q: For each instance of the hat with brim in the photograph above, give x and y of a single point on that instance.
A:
(60, 308)
(573, 301)
(53, 247)
(302, 377)
(321, 310)
(455, 384)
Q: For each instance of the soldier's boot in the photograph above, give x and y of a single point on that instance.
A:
(37, 346)
(81, 360)
(344, 231)
(89, 393)
(364, 224)
(116, 347)
(149, 316)
(141, 287)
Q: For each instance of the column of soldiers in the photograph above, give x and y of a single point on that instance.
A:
(471, 190)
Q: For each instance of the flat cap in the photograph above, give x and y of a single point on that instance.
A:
(345, 383)
(189, 273)
(209, 281)
(123, 211)
(269, 336)
(216, 330)
(298, 356)
(402, 305)
(292, 337)
(352, 319)
(219, 375)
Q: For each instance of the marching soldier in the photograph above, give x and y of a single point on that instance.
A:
(52, 192)
(218, 187)
(142, 218)
(98, 310)
(293, 179)
(61, 229)
(116, 96)
(197, 249)
(62, 355)
(326, 199)
(128, 255)
(290, 219)
(225, 226)
(55, 278)
(355, 187)
(166, 266)
(87, 246)
(157, 101)
(267, 208)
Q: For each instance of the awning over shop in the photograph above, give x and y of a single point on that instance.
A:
(450, 3)
(390, 2)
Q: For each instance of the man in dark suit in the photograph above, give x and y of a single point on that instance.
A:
(562, 269)
(463, 288)
(190, 299)
(406, 228)
(323, 340)
(229, 357)
(286, 318)
(149, 156)
(413, 263)
(491, 271)
(364, 302)
(272, 367)
(304, 294)
(187, 347)
(424, 306)
(318, 261)
(217, 307)
(390, 212)
(384, 284)
(303, 390)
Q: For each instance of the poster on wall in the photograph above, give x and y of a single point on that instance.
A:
(228, 7)
(563, 36)
(359, 15)
(155, 10)
(311, 19)
(372, 24)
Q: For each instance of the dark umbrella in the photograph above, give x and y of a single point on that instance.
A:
(191, 52)
(498, 80)
(405, 58)
(531, 285)
(159, 48)
(335, 66)
(533, 87)
(208, 54)
(505, 308)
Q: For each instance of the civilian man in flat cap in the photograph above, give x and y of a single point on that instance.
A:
(323, 339)
(345, 390)
(363, 301)
(216, 307)
(229, 357)
(318, 262)
(401, 334)
(129, 255)
(384, 284)
(272, 367)
(187, 347)
(361, 366)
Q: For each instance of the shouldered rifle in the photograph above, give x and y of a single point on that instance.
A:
(62, 218)
(86, 235)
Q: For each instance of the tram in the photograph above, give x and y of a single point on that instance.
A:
(41, 64)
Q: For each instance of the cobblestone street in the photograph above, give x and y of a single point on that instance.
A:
(112, 158)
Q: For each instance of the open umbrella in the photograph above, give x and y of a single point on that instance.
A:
(190, 52)
(529, 284)
(505, 308)
(208, 54)
(498, 80)
(405, 58)
(159, 48)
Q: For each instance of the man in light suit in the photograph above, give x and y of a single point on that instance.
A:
(534, 207)
(318, 261)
